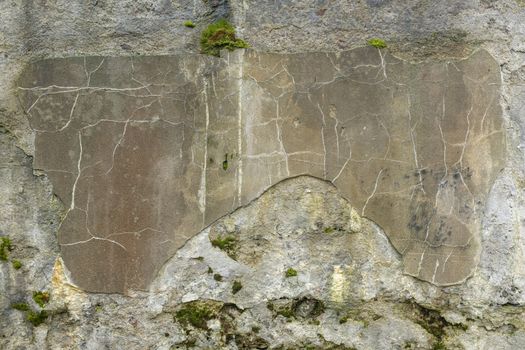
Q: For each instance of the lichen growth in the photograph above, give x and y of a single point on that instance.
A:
(16, 264)
(5, 246)
(290, 273)
(20, 306)
(196, 314)
(236, 287)
(41, 298)
(377, 43)
(220, 35)
(227, 244)
(297, 309)
(362, 315)
(286, 312)
(189, 24)
(439, 346)
(308, 308)
(37, 318)
(431, 321)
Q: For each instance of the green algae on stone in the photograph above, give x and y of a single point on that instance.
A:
(20, 306)
(226, 243)
(196, 313)
(377, 43)
(220, 35)
(189, 24)
(5, 246)
(41, 298)
(290, 273)
(16, 264)
(236, 287)
(37, 318)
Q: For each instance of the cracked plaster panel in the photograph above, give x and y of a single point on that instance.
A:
(146, 152)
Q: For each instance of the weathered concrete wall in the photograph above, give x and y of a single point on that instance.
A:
(369, 292)
(146, 152)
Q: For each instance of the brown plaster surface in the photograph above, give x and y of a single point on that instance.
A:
(147, 151)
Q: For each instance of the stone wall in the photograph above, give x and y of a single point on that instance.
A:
(304, 268)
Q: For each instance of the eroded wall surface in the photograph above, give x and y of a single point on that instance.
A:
(342, 260)
(145, 152)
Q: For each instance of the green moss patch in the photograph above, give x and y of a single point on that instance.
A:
(5, 247)
(16, 264)
(20, 306)
(377, 43)
(37, 318)
(362, 315)
(41, 298)
(227, 243)
(189, 24)
(432, 322)
(218, 36)
(290, 273)
(197, 314)
(236, 287)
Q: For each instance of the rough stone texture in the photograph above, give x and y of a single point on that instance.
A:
(346, 293)
(486, 312)
(126, 140)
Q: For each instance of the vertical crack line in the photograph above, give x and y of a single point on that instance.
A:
(86, 71)
(380, 121)
(71, 113)
(239, 128)
(79, 169)
(347, 159)
(442, 182)
(446, 260)
(420, 265)
(341, 171)
(435, 271)
(93, 71)
(383, 64)
(322, 139)
(486, 112)
(117, 145)
(414, 144)
(466, 138)
(280, 137)
(460, 161)
(373, 192)
(428, 229)
(332, 114)
(202, 190)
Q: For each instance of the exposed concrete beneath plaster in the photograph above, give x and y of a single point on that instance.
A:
(146, 152)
